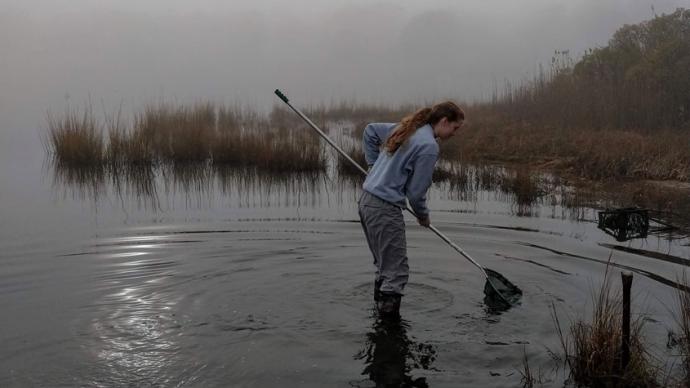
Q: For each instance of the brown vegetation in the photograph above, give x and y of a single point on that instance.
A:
(621, 111)
(682, 316)
(75, 138)
(638, 81)
(529, 379)
(592, 154)
(200, 133)
(344, 165)
(592, 349)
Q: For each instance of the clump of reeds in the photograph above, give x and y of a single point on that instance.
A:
(593, 350)
(292, 150)
(529, 379)
(523, 185)
(277, 151)
(346, 168)
(125, 145)
(682, 317)
(76, 139)
(441, 174)
(487, 177)
(179, 134)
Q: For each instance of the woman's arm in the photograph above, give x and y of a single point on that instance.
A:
(419, 182)
(374, 135)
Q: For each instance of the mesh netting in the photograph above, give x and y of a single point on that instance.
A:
(499, 292)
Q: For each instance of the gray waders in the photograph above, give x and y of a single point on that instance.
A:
(384, 228)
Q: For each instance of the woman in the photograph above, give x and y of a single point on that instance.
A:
(401, 172)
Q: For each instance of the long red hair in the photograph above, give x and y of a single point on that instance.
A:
(409, 124)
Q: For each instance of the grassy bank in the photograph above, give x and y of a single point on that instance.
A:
(232, 136)
(620, 111)
(587, 153)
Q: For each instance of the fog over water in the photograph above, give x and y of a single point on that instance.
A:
(124, 52)
(318, 51)
(55, 54)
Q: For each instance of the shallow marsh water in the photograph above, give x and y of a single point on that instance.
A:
(209, 278)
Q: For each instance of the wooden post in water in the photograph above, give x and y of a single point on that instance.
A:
(627, 278)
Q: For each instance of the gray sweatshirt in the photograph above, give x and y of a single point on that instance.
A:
(404, 174)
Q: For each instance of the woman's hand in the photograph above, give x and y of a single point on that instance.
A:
(425, 221)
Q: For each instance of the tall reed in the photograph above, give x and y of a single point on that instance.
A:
(682, 317)
(75, 138)
(177, 133)
(357, 154)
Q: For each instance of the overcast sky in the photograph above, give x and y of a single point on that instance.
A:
(133, 52)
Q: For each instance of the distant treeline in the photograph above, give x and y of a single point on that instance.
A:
(640, 80)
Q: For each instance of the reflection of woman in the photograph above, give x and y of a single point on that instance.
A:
(390, 355)
(402, 172)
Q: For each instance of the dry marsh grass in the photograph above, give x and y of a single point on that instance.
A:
(592, 154)
(592, 347)
(523, 184)
(682, 317)
(126, 147)
(620, 111)
(202, 132)
(75, 138)
(346, 168)
(530, 379)
(167, 133)
(176, 133)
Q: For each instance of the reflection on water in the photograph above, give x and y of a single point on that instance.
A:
(253, 188)
(83, 182)
(522, 188)
(390, 355)
(135, 338)
(136, 345)
(527, 192)
(200, 182)
(138, 183)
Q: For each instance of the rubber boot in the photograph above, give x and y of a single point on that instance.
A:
(389, 305)
(377, 292)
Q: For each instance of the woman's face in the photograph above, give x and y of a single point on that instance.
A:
(445, 129)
